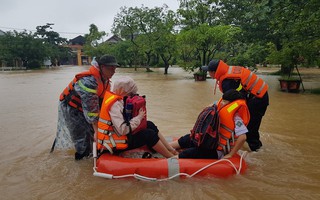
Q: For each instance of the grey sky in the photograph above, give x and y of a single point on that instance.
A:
(70, 17)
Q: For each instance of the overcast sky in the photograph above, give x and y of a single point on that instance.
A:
(70, 17)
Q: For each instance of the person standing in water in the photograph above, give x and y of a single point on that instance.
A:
(253, 88)
(79, 107)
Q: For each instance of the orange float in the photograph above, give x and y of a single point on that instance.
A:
(153, 169)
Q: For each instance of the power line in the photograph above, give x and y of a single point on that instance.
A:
(23, 29)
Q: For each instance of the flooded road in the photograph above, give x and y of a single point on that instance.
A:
(287, 167)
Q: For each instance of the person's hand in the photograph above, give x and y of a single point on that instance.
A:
(142, 113)
(227, 156)
(174, 152)
(95, 136)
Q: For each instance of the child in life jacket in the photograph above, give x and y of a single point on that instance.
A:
(115, 134)
(233, 116)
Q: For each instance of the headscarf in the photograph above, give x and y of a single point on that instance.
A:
(124, 86)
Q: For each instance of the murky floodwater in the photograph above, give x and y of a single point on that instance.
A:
(287, 167)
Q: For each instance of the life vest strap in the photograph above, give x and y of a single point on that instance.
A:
(112, 142)
(227, 147)
(248, 79)
(226, 128)
(261, 88)
(105, 144)
(108, 122)
(254, 84)
(106, 132)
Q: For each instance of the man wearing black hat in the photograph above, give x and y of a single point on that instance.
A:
(79, 106)
(251, 86)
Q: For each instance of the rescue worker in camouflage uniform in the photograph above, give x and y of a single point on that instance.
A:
(79, 107)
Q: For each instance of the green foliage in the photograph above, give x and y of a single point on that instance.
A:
(241, 60)
(283, 57)
(201, 43)
(196, 12)
(190, 66)
(240, 32)
(53, 42)
(30, 50)
(92, 41)
(287, 29)
(248, 55)
(293, 54)
(34, 64)
(200, 72)
(150, 30)
(50, 37)
(315, 91)
(125, 52)
(23, 48)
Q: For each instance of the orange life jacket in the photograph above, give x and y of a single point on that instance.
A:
(227, 137)
(73, 98)
(249, 80)
(108, 138)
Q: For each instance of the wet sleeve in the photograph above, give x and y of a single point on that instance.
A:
(87, 88)
(228, 84)
(240, 127)
(116, 114)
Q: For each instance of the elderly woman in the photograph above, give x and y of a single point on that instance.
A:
(114, 133)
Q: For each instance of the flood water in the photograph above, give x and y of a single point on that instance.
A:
(287, 166)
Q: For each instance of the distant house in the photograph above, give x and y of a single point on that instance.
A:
(76, 46)
(79, 40)
(114, 39)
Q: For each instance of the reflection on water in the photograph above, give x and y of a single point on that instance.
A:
(287, 167)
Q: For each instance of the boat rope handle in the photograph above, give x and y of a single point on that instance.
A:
(145, 178)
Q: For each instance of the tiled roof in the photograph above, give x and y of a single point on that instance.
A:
(78, 40)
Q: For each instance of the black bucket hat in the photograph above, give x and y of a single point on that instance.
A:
(212, 66)
(108, 60)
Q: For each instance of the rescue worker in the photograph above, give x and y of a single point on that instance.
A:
(251, 86)
(230, 131)
(79, 107)
(114, 134)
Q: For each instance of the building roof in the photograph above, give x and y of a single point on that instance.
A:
(80, 40)
(114, 39)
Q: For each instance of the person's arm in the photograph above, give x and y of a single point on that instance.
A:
(240, 131)
(228, 84)
(95, 128)
(118, 122)
(86, 88)
(238, 144)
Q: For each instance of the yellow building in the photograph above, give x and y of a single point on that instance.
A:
(76, 46)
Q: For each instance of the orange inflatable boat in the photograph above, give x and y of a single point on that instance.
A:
(158, 169)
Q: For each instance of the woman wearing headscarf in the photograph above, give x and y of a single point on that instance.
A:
(115, 135)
